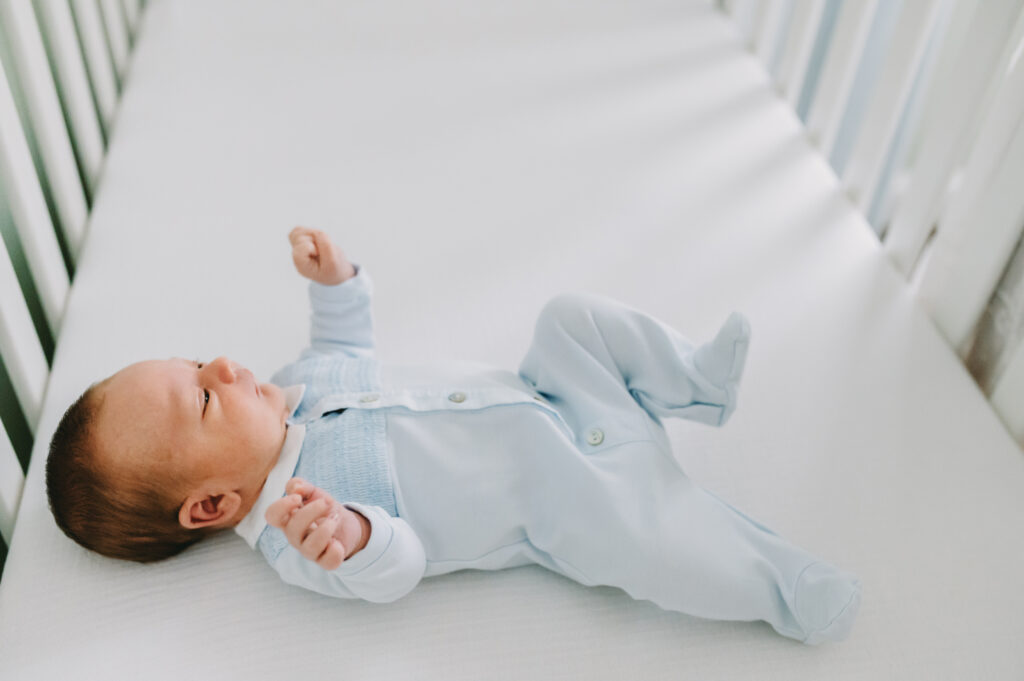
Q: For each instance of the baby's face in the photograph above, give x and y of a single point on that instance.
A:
(210, 422)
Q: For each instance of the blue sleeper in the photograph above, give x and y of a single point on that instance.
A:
(564, 464)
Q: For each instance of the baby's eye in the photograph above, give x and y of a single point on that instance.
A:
(206, 399)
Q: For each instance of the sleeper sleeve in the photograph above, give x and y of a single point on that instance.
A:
(387, 568)
(342, 319)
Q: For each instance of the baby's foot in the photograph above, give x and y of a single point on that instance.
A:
(722, 360)
(826, 603)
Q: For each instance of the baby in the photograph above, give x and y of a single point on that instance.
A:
(357, 479)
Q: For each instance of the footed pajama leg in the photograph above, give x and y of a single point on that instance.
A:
(593, 345)
(614, 508)
(626, 517)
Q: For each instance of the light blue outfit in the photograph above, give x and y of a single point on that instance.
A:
(565, 465)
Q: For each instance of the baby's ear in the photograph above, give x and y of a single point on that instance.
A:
(209, 510)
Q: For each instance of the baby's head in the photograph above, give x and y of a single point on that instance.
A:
(157, 456)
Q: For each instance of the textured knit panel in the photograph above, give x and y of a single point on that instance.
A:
(344, 454)
(326, 375)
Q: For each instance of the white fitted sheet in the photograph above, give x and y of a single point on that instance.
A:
(480, 156)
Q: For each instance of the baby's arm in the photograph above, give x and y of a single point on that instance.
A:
(339, 293)
(347, 551)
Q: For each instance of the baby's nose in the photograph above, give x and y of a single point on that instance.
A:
(225, 369)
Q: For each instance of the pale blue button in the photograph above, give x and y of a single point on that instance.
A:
(457, 397)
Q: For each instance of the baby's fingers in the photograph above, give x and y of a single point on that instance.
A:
(317, 542)
(300, 487)
(305, 255)
(298, 233)
(323, 243)
(281, 510)
(333, 557)
(304, 248)
(305, 521)
(307, 490)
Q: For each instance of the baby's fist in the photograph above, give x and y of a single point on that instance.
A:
(317, 258)
(322, 530)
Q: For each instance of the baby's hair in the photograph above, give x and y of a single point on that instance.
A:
(120, 514)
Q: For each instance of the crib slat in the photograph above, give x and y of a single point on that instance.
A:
(97, 58)
(74, 86)
(963, 74)
(958, 25)
(19, 345)
(805, 22)
(744, 13)
(12, 481)
(1009, 395)
(769, 26)
(131, 16)
(28, 207)
(47, 119)
(907, 47)
(838, 74)
(117, 34)
(982, 224)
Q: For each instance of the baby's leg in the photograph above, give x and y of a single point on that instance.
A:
(600, 352)
(616, 511)
(628, 518)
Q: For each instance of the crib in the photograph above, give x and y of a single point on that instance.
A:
(846, 173)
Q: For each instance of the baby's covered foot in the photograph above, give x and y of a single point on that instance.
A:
(826, 603)
(721, 361)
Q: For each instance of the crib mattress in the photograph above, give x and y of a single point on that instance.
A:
(478, 157)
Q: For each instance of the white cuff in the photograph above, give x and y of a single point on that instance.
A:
(390, 565)
(350, 289)
(381, 534)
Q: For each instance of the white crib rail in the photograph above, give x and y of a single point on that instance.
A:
(919, 106)
(117, 33)
(73, 79)
(97, 57)
(838, 72)
(982, 220)
(29, 210)
(11, 482)
(52, 141)
(914, 27)
(47, 119)
(23, 354)
(794, 55)
(947, 133)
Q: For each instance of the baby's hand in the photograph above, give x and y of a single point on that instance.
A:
(322, 530)
(316, 258)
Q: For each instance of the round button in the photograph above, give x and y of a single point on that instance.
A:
(372, 397)
(595, 436)
(457, 397)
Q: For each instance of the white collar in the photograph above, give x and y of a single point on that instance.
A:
(251, 526)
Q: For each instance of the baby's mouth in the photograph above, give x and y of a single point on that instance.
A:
(252, 377)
